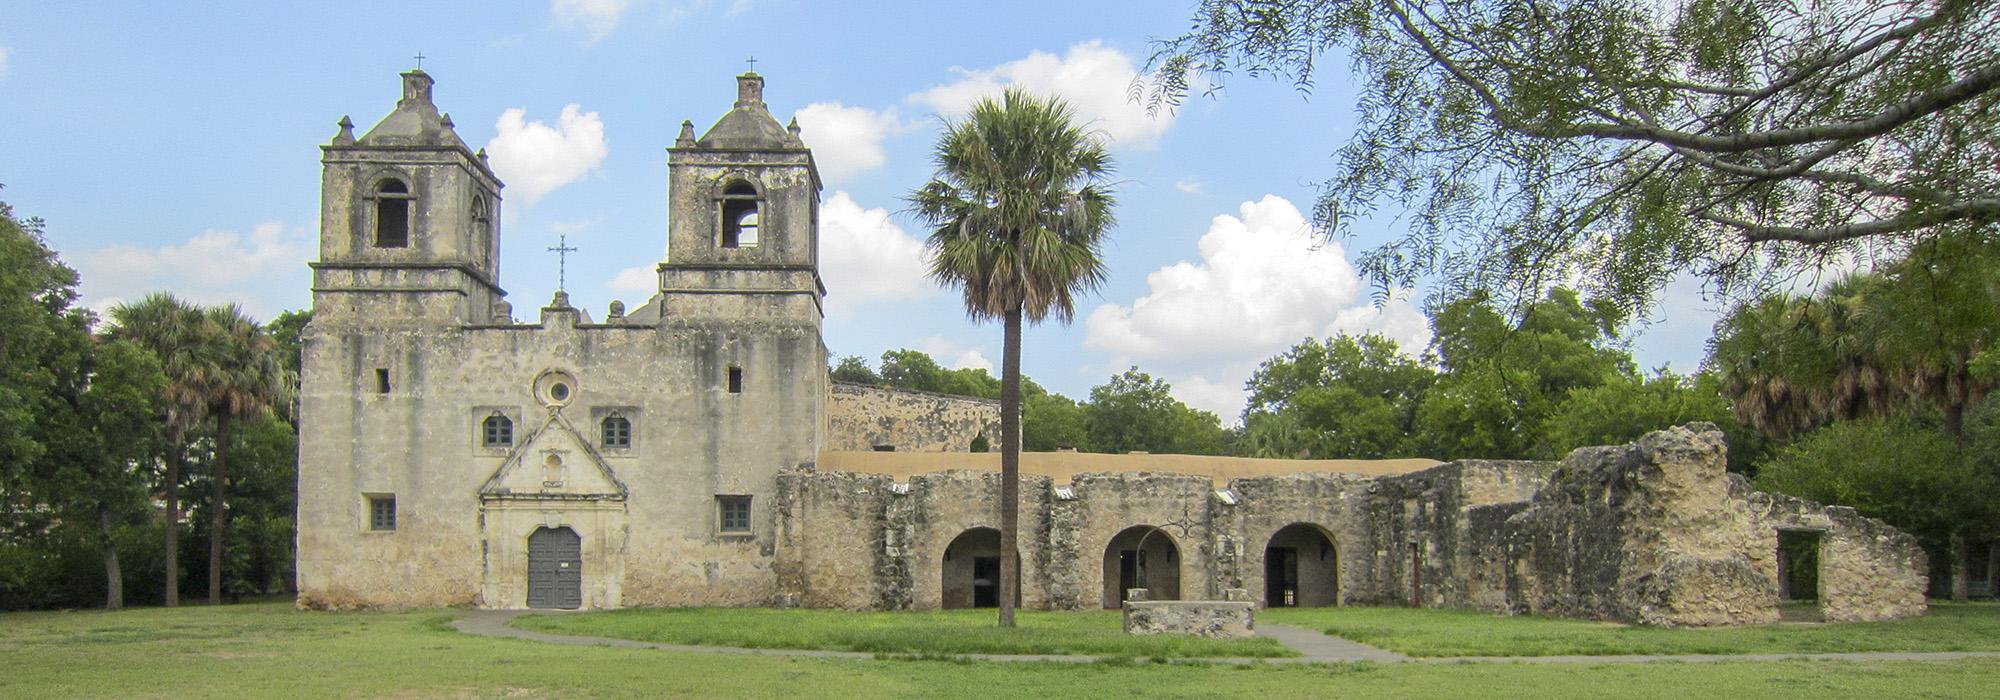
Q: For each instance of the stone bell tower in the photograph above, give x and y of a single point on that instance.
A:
(409, 220)
(744, 230)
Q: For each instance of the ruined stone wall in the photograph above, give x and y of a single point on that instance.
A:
(1333, 504)
(831, 546)
(1867, 569)
(863, 417)
(1420, 536)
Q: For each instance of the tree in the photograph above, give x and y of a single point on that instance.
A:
(1017, 211)
(1625, 408)
(177, 334)
(107, 437)
(854, 369)
(287, 331)
(36, 294)
(249, 380)
(1050, 422)
(1501, 378)
(1136, 412)
(1347, 397)
(1623, 141)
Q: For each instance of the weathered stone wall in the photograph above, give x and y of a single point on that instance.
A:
(1867, 570)
(864, 417)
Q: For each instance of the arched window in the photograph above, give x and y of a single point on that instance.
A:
(392, 214)
(740, 217)
(617, 432)
(482, 227)
(496, 431)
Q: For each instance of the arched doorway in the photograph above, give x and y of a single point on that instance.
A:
(1301, 568)
(971, 571)
(555, 568)
(1142, 556)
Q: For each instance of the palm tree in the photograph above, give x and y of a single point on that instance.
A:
(1018, 209)
(249, 381)
(174, 331)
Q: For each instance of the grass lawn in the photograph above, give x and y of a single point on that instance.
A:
(1948, 627)
(272, 651)
(1090, 633)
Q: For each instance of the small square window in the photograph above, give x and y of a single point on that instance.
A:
(617, 432)
(496, 431)
(382, 513)
(734, 512)
(736, 380)
(381, 380)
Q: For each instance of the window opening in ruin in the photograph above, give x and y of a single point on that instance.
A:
(392, 214)
(736, 380)
(617, 432)
(740, 217)
(979, 444)
(482, 227)
(885, 448)
(1798, 574)
(497, 431)
(382, 513)
(381, 380)
(733, 513)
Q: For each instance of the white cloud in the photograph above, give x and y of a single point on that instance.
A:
(954, 355)
(1264, 282)
(1093, 78)
(1188, 186)
(845, 140)
(535, 159)
(1225, 399)
(264, 271)
(594, 17)
(3, 61)
(866, 258)
(643, 280)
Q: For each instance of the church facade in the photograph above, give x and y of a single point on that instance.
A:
(692, 451)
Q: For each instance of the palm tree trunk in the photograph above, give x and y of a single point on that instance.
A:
(174, 457)
(114, 579)
(1010, 468)
(218, 515)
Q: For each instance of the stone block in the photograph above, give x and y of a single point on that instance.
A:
(1200, 618)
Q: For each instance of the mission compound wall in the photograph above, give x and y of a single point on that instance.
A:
(862, 417)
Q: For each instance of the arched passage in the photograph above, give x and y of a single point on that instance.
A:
(971, 571)
(1142, 556)
(1301, 568)
(555, 568)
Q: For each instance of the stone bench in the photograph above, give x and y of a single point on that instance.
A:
(1201, 618)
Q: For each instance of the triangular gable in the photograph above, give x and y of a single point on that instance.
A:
(554, 462)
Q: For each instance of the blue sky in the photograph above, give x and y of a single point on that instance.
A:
(174, 146)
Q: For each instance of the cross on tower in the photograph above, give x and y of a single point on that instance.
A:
(562, 249)
(753, 64)
(420, 60)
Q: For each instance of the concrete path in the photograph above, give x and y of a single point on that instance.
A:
(1315, 647)
(1312, 646)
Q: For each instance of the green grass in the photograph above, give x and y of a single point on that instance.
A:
(271, 651)
(1948, 627)
(1091, 633)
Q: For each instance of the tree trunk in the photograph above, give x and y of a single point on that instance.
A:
(114, 579)
(1010, 468)
(218, 513)
(174, 457)
(1961, 565)
(1993, 568)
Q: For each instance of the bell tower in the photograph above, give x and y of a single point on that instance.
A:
(744, 226)
(409, 220)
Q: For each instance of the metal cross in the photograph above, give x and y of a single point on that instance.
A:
(753, 64)
(562, 249)
(420, 60)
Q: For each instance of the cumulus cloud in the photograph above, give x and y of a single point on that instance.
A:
(1093, 78)
(642, 280)
(1264, 282)
(595, 18)
(846, 140)
(867, 258)
(953, 354)
(265, 271)
(535, 159)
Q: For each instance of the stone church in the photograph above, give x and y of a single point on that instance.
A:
(692, 450)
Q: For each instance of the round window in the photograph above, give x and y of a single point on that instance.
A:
(555, 388)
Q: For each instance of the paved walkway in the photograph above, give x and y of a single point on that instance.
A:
(1312, 646)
